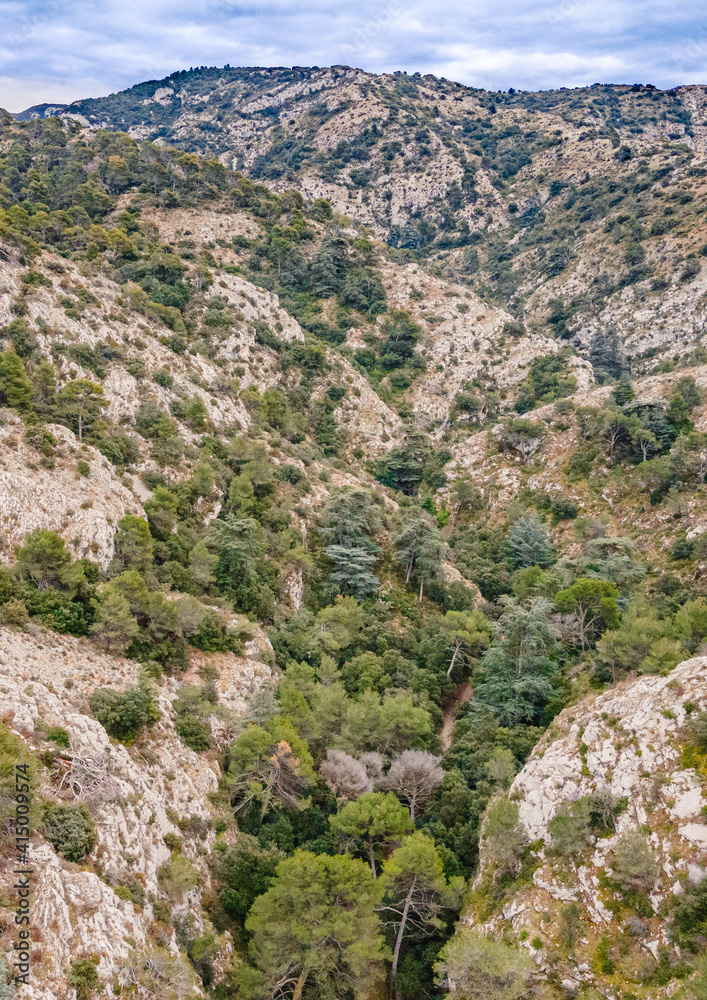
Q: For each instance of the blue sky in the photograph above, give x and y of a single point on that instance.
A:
(62, 50)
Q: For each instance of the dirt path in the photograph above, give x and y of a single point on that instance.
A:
(463, 694)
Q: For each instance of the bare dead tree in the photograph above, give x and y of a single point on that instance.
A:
(569, 628)
(347, 777)
(157, 973)
(373, 763)
(87, 776)
(413, 776)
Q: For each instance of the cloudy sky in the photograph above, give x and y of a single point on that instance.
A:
(62, 50)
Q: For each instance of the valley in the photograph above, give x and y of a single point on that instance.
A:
(353, 538)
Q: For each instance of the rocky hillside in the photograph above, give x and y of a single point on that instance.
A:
(611, 807)
(578, 209)
(353, 442)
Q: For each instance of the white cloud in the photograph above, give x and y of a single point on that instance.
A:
(483, 67)
(52, 50)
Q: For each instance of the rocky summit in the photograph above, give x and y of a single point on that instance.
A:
(353, 541)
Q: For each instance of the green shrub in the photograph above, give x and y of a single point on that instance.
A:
(177, 877)
(570, 927)
(503, 835)
(682, 549)
(173, 841)
(697, 731)
(689, 919)
(602, 957)
(70, 830)
(563, 509)
(635, 864)
(83, 976)
(244, 873)
(14, 753)
(14, 613)
(483, 967)
(131, 888)
(195, 732)
(124, 715)
(570, 827)
(59, 736)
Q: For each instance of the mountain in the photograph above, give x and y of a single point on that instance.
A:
(353, 442)
(575, 209)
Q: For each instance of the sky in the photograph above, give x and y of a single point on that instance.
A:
(63, 50)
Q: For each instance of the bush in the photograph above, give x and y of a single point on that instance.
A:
(697, 730)
(563, 509)
(123, 715)
(246, 872)
(689, 924)
(482, 968)
(682, 549)
(14, 612)
(570, 826)
(195, 732)
(503, 835)
(635, 864)
(177, 877)
(131, 888)
(83, 976)
(59, 736)
(14, 752)
(70, 830)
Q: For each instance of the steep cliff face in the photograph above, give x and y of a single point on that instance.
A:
(137, 798)
(627, 749)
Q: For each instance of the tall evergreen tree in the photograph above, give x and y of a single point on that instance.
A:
(419, 547)
(348, 520)
(15, 387)
(528, 544)
(606, 357)
(515, 676)
(403, 468)
(328, 268)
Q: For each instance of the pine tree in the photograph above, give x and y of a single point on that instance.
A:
(348, 520)
(528, 544)
(515, 677)
(114, 627)
(317, 924)
(15, 387)
(328, 269)
(351, 572)
(605, 356)
(419, 547)
(417, 890)
(404, 467)
(81, 401)
(236, 542)
(44, 388)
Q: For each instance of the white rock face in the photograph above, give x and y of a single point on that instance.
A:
(626, 742)
(619, 742)
(44, 681)
(85, 510)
